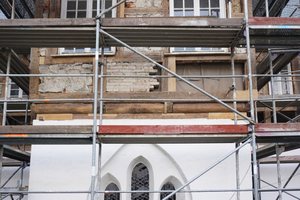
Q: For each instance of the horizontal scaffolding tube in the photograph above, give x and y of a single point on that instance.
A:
(146, 191)
(150, 100)
(179, 77)
(179, 100)
(147, 76)
(48, 75)
(283, 98)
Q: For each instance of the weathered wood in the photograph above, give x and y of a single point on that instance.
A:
(111, 22)
(115, 108)
(173, 21)
(121, 10)
(165, 6)
(224, 115)
(34, 69)
(164, 81)
(295, 66)
(206, 107)
(49, 52)
(286, 127)
(274, 20)
(60, 95)
(130, 57)
(137, 11)
(135, 95)
(49, 22)
(145, 116)
(22, 131)
(68, 60)
(209, 58)
(38, 11)
(166, 95)
(282, 159)
(45, 117)
(172, 67)
(61, 108)
(54, 9)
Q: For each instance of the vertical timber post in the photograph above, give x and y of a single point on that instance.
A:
(254, 160)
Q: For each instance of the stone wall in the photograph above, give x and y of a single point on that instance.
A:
(66, 84)
(131, 84)
(85, 84)
(143, 3)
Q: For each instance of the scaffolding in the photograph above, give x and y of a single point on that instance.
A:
(259, 33)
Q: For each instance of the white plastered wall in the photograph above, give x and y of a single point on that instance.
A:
(68, 167)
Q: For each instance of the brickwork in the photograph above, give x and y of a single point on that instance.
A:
(66, 84)
(131, 84)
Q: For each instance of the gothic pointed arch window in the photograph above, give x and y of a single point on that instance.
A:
(167, 186)
(140, 181)
(112, 196)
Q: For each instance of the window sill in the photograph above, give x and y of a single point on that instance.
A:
(89, 54)
(182, 53)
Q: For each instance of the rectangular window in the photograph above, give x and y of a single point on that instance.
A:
(84, 9)
(208, 69)
(197, 8)
(15, 91)
(282, 85)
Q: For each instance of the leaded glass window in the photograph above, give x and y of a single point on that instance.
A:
(167, 186)
(140, 181)
(112, 196)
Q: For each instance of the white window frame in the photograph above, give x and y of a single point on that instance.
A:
(197, 13)
(20, 91)
(87, 51)
(278, 81)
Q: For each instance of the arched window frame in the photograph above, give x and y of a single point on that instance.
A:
(112, 196)
(164, 194)
(137, 196)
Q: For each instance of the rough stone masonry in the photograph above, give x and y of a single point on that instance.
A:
(85, 84)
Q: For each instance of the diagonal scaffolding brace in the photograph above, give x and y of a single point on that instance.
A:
(209, 168)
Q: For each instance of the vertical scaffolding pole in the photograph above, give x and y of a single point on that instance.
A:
(254, 163)
(26, 113)
(95, 105)
(101, 105)
(272, 87)
(237, 160)
(259, 180)
(267, 8)
(6, 88)
(233, 84)
(278, 171)
(1, 164)
(229, 6)
(13, 9)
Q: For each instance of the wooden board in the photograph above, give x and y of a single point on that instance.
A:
(45, 117)
(172, 129)
(224, 115)
(62, 108)
(207, 107)
(146, 116)
(244, 94)
(172, 67)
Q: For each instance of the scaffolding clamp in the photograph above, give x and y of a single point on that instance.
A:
(231, 88)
